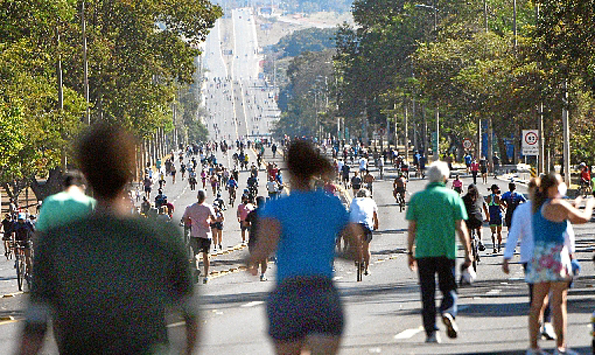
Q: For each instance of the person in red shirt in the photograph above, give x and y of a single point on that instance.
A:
(474, 170)
(585, 177)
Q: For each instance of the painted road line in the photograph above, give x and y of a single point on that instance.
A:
(252, 304)
(493, 292)
(408, 333)
(175, 325)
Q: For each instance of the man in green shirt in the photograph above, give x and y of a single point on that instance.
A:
(66, 206)
(435, 215)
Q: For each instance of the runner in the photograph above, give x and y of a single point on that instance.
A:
(252, 220)
(356, 183)
(217, 226)
(304, 310)
(457, 184)
(368, 180)
(244, 209)
(494, 202)
(510, 200)
(200, 215)
(474, 171)
(483, 167)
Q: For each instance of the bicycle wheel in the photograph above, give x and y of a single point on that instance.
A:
(20, 266)
(475, 251)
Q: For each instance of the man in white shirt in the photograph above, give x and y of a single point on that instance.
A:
(272, 188)
(364, 211)
(200, 215)
(521, 231)
(363, 164)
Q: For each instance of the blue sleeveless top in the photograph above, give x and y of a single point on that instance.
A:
(545, 231)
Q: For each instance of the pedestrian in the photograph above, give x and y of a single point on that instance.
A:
(200, 215)
(66, 206)
(550, 268)
(483, 167)
(494, 201)
(128, 272)
(217, 225)
(522, 231)
(252, 220)
(432, 231)
(474, 171)
(304, 310)
(242, 212)
(511, 200)
(364, 211)
(356, 183)
(368, 180)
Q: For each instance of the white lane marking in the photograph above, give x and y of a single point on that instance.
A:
(252, 304)
(493, 292)
(408, 333)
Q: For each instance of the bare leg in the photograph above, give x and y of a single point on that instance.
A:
(323, 344)
(558, 302)
(540, 291)
(367, 254)
(289, 347)
(206, 262)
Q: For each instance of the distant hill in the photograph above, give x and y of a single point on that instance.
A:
(312, 6)
(307, 40)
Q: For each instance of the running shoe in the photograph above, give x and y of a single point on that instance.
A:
(547, 332)
(205, 280)
(215, 250)
(434, 338)
(263, 278)
(451, 325)
(567, 351)
(481, 247)
(220, 247)
(537, 351)
(494, 251)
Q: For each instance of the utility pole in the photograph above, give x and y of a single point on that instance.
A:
(85, 67)
(541, 162)
(406, 135)
(64, 161)
(566, 134)
(514, 10)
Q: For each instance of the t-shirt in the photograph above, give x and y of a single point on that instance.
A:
(356, 182)
(310, 223)
(244, 209)
(435, 211)
(199, 215)
(474, 208)
(362, 164)
(108, 282)
(272, 187)
(362, 210)
(512, 199)
(345, 170)
(62, 208)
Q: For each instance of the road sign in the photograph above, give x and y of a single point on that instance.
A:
(467, 143)
(530, 142)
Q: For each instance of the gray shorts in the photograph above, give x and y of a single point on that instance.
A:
(301, 306)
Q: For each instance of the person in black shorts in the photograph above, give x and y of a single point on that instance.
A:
(252, 221)
(475, 205)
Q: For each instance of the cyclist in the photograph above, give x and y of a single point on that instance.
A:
(368, 180)
(475, 204)
(585, 183)
(495, 208)
(183, 170)
(232, 187)
(219, 201)
(22, 231)
(244, 209)
(364, 211)
(192, 179)
(400, 187)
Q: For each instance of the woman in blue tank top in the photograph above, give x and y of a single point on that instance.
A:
(304, 310)
(550, 269)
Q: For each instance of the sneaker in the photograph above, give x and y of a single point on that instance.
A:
(499, 247)
(451, 325)
(220, 247)
(481, 247)
(494, 251)
(205, 280)
(567, 351)
(215, 250)
(263, 278)
(537, 351)
(547, 332)
(434, 338)
(366, 272)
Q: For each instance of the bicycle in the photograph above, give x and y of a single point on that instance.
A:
(475, 249)
(20, 264)
(232, 196)
(400, 199)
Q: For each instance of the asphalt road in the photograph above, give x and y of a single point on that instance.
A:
(382, 311)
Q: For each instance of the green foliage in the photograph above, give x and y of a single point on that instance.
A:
(307, 40)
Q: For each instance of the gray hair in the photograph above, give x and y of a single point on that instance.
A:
(201, 195)
(363, 192)
(438, 171)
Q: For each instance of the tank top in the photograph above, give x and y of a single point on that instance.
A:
(545, 231)
(494, 207)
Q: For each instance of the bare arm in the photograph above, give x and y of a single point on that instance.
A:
(411, 229)
(463, 234)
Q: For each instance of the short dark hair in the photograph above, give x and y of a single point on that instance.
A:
(73, 178)
(304, 161)
(106, 155)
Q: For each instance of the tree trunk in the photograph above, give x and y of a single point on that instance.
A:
(52, 185)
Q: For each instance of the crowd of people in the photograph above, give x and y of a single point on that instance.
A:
(304, 310)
